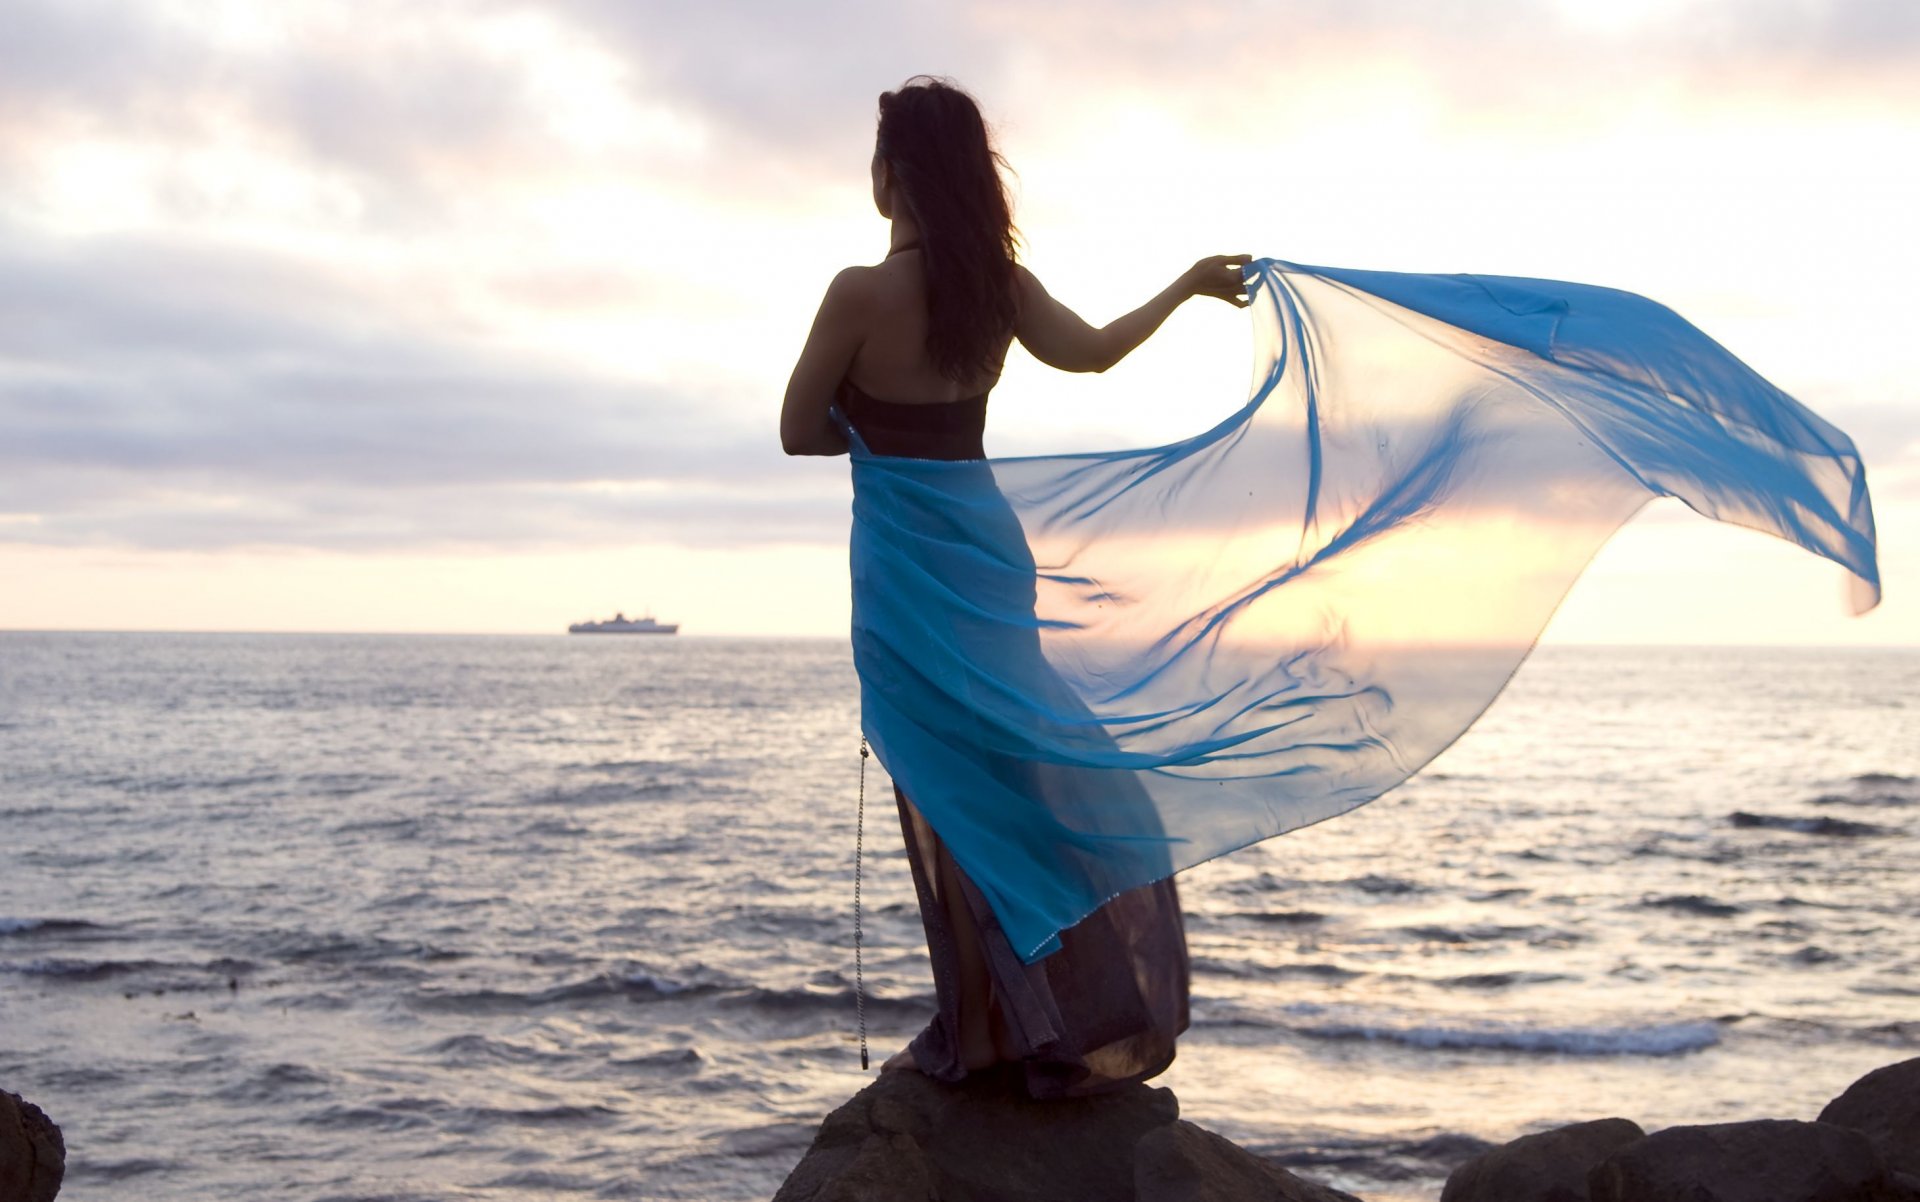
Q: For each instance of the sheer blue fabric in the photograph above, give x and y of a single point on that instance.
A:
(1091, 671)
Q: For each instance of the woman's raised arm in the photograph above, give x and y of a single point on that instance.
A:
(1056, 335)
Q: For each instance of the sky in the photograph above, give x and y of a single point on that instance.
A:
(477, 316)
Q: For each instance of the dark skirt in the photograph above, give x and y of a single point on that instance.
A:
(1101, 1012)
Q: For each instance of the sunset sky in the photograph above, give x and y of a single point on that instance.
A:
(477, 316)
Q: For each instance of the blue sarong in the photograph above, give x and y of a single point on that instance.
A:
(1092, 671)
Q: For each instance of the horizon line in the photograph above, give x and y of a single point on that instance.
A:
(698, 635)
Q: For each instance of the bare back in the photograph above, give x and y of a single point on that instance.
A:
(891, 363)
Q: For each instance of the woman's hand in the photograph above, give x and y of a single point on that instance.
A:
(1222, 276)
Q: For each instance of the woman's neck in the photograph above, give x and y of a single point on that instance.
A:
(906, 234)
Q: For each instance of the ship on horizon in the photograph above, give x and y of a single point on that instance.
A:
(620, 623)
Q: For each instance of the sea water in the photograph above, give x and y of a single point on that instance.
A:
(408, 917)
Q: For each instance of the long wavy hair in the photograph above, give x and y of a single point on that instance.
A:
(935, 143)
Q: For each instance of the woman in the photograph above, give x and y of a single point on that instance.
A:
(905, 353)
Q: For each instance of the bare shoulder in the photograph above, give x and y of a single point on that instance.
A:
(1033, 305)
(1032, 302)
(853, 297)
(1026, 285)
(856, 285)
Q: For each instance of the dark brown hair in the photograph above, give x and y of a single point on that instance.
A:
(934, 141)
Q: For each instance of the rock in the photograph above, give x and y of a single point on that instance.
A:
(1184, 1163)
(33, 1157)
(1767, 1160)
(1884, 1106)
(885, 1168)
(1550, 1166)
(908, 1138)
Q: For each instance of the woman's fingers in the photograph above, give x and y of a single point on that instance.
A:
(1223, 276)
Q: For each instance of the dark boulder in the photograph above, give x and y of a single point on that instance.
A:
(1767, 1160)
(1184, 1163)
(33, 1157)
(907, 1138)
(1550, 1166)
(1884, 1106)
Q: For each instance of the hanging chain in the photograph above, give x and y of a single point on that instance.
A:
(859, 938)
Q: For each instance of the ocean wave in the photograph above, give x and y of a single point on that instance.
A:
(395, 828)
(1875, 789)
(1490, 932)
(635, 986)
(1243, 970)
(649, 848)
(1662, 1039)
(1487, 895)
(1883, 989)
(473, 1048)
(661, 986)
(339, 784)
(557, 828)
(1663, 844)
(304, 947)
(670, 1058)
(277, 1083)
(89, 1168)
(1819, 825)
(1502, 980)
(39, 926)
(1377, 883)
(484, 1000)
(1884, 778)
(787, 1140)
(790, 1000)
(1277, 917)
(1693, 903)
(1813, 954)
(182, 782)
(399, 1114)
(1265, 882)
(80, 970)
(651, 767)
(1864, 799)
(482, 1117)
(602, 793)
(545, 1183)
(1383, 1160)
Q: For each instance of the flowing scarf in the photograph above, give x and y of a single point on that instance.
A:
(1092, 671)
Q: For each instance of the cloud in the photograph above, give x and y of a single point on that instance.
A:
(162, 394)
(406, 105)
(780, 76)
(420, 101)
(219, 366)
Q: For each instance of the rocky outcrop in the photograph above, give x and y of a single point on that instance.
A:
(1551, 1166)
(33, 1157)
(1864, 1148)
(1884, 1106)
(1767, 1160)
(1180, 1162)
(907, 1138)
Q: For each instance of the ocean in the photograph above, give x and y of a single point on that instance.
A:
(332, 917)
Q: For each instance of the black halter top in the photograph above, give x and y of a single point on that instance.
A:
(935, 430)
